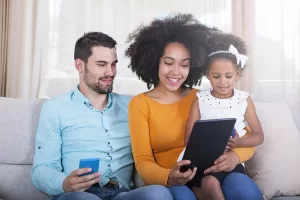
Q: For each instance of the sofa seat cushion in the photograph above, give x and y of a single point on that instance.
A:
(275, 164)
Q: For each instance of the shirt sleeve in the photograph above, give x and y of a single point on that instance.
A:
(145, 163)
(46, 174)
(245, 154)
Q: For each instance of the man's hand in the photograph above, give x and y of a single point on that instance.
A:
(232, 142)
(74, 183)
(178, 178)
(225, 163)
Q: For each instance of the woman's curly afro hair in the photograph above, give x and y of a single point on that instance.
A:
(147, 44)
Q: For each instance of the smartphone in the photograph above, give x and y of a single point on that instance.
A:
(233, 133)
(184, 168)
(92, 163)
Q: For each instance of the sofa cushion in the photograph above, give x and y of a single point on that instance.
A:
(16, 183)
(19, 120)
(275, 165)
(18, 124)
(287, 198)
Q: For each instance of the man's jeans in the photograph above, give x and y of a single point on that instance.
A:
(153, 192)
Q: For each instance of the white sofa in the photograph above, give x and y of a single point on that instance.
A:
(18, 122)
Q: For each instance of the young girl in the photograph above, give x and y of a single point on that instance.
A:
(225, 65)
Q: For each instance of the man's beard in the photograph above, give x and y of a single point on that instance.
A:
(97, 87)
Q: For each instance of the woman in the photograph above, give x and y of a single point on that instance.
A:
(169, 55)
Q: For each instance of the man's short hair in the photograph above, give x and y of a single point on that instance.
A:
(83, 46)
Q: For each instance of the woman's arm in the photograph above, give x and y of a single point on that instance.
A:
(256, 137)
(145, 164)
(244, 154)
(193, 116)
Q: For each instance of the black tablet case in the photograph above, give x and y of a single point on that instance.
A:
(207, 142)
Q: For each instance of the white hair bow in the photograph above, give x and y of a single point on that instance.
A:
(240, 58)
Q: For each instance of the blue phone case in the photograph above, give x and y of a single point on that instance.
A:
(233, 133)
(92, 163)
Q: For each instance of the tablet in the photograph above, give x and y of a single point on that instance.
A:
(207, 142)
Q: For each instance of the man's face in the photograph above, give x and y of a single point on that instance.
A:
(100, 69)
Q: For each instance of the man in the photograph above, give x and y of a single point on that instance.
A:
(90, 122)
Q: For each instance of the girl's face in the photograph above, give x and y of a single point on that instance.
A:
(174, 66)
(223, 75)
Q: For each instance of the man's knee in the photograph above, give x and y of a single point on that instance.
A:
(240, 186)
(210, 183)
(77, 196)
(157, 192)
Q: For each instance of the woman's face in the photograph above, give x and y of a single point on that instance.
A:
(174, 66)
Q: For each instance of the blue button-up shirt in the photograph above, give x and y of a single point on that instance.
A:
(70, 129)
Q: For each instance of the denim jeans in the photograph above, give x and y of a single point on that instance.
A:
(182, 192)
(238, 186)
(153, 192)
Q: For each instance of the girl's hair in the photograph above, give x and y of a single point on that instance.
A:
(219, 45)
(148, 42)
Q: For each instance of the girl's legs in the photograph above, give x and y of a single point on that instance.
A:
(210, 189)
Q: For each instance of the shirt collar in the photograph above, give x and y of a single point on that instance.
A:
(87, 102)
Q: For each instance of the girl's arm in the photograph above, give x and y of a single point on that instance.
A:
(193, 116)
(256, 137)
(244, 154)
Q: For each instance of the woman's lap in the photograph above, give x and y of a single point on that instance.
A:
(182, 192)
(238, 186)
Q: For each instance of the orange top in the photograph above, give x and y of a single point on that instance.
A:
(157, 135)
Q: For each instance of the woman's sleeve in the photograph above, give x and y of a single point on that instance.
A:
(148, 169)
(245, 154)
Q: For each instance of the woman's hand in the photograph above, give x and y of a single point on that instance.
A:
(225, 163)
(180, 178)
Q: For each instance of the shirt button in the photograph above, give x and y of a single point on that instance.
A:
(107, 153)
(108, 165)
(108, 142)
(106, 130)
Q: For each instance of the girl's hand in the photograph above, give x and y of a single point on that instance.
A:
(233, 141)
